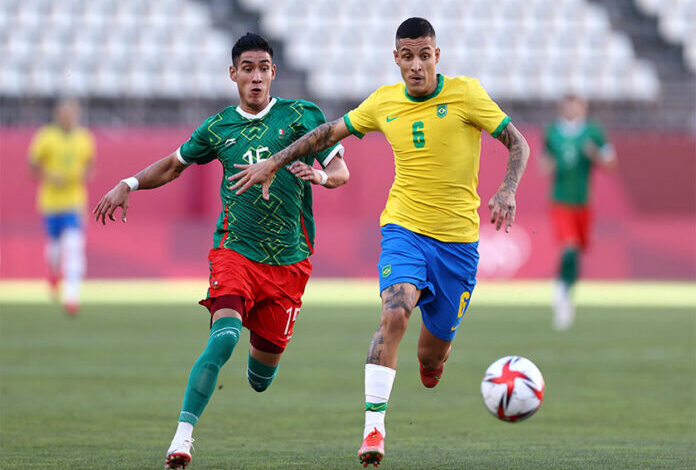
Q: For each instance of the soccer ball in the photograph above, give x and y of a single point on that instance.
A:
(512, 389)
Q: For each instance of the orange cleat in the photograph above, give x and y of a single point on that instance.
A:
(72, 308)
(372, 450)
(430, 378)
(53, 282)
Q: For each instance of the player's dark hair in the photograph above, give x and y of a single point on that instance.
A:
(414, 28)
(571, 96)
(250, 42)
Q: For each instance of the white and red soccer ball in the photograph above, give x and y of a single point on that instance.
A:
(513, 388)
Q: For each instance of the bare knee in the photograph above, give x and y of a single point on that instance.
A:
(394, 322)
(398, 301)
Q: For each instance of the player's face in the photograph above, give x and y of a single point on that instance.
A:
(417, 59)
(68, 114)
(573, 108)
(253, 74)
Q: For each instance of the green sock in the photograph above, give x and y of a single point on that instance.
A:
(569, 266)
(259, 374)
(224, 335)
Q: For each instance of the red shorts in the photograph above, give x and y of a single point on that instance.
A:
(272, 293)
(572, 224)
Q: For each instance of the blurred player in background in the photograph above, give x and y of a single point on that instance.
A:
(61, 158)
(259, 264)
(430, 225)
(573, 146)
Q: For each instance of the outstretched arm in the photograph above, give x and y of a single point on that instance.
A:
(604, 156)
(159, 173)
(502, 204)
(336, 173)
(314, 141)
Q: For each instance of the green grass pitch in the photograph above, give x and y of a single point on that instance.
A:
(103, 391)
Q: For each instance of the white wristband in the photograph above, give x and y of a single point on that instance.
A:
(324, 177)
(132, 182)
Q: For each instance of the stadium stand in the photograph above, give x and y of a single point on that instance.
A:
(676, 22)
(106, 48)
(560, 46)
(165, 61)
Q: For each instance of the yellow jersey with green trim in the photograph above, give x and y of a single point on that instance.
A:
(65, 155)
(436, 141)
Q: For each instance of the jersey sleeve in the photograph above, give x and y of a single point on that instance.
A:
(599, 138)
(38, 147)
(314, 117)
(547, 140)
(598, 135)
(200, 148)
(483, 112)
(90, 147)
(363, 119)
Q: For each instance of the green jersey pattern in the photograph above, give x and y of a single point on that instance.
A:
(277, 231)
(573, 165)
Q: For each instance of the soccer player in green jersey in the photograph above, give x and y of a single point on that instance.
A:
(259, 262)
(430, 225)
(573, 147)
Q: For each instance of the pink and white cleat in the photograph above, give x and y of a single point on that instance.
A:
(372, 450)
(179, 454)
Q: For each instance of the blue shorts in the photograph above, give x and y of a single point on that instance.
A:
(444, 272)
(56, 224)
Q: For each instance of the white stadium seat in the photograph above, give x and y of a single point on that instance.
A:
(111, 48)
(676, 22)
(520, 49)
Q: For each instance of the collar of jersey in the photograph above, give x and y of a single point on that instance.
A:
(571, 128)
(438, 89)
(260, 114)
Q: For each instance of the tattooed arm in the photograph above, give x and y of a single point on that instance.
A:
(502, 204)
(316, 140)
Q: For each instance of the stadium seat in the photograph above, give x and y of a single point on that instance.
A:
(676, 23)
(345, 47)
(566, 36)
(128, 39)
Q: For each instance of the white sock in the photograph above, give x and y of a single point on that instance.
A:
(53, 255)
(73, 265)
(563, 307)
(378, 385)
(183, 431)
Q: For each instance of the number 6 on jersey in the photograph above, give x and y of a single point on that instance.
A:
(418, 134)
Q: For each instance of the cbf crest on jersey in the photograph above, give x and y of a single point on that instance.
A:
(441, 110)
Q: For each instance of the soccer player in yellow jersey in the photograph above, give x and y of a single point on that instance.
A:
(430, 225)
(61, 158)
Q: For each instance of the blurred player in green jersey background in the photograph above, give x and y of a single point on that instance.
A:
(573, 147)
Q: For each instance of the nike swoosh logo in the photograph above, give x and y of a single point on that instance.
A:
(391, 119)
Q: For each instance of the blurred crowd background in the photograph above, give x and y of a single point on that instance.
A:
(147, 72)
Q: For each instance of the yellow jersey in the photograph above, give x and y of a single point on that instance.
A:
(66, 155)
(436, 141)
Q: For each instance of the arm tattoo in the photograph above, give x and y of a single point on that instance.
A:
(517, 157)
(314, 141)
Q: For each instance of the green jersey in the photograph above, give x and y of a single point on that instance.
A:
(277, 231)
(569, 147)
